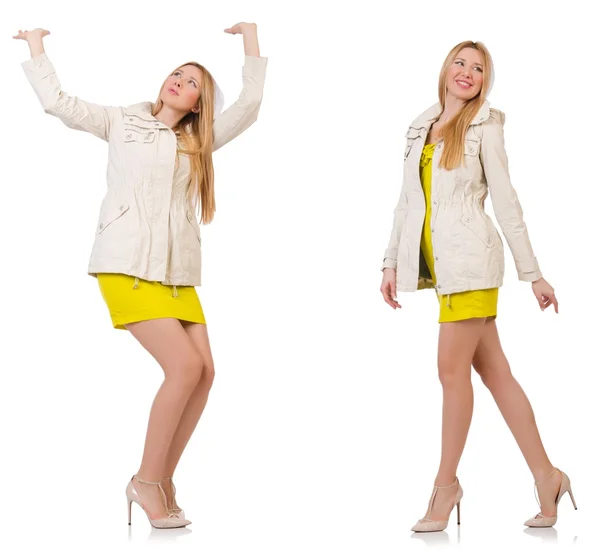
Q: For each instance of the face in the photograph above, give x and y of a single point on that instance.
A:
(464, 78)
(181, 90)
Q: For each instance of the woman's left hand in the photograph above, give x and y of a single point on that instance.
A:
(544, 293)
(242, 28)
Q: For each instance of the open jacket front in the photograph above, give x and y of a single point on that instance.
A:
(468, 250)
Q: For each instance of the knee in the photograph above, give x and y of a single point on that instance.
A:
(492, 374)
(188, 371)
(208, 373)
(452, 373)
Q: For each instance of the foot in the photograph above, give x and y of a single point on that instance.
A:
(443, 502)
(153, 499)
(548, 489)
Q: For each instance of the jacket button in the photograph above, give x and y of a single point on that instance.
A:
(468, 219)
(437, 258)
(432, 230)
(435, 173)
(439, 286)
(101, 226)
(435, 202)
(471, 150)
(131, 118)
(157, 124)
(128, 136)
(121, 207)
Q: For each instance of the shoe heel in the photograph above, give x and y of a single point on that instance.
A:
(458, 513)
(129, 511)
(572, 499)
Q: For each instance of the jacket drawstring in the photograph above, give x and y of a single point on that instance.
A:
(175, 294)
(137, 283)
(448, 300)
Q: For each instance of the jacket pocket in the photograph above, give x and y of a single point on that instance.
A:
(194, 223)
(111, 214)
(140, 135)
(478, 227)
(472, 148)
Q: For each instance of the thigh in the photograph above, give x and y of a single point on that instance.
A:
(489, 358)
(457, 343)
(168, 342)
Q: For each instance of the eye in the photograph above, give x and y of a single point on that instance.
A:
(479, 69)
(194, 83)
(177, 73)
(458, 61)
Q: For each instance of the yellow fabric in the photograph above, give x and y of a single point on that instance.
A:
(130, 300)
(480, 303)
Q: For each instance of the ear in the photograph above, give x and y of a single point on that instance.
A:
(196, 109)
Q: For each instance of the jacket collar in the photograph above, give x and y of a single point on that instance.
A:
(142, 110)
(427, 117)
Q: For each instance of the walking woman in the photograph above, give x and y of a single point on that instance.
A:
(442, 239)
(146, 255)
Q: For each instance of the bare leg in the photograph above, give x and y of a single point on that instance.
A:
(167, 341)
(194, 407)
(491, 364)
(457, 343)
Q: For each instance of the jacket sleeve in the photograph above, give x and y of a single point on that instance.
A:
(72, 111)
(244, 111)
(507, 207)
(390, 257)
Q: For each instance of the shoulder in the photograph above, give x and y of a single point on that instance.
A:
(497, 117)
(429, 114)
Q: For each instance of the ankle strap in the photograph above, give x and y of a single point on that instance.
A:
(144, 481)
(448, 486)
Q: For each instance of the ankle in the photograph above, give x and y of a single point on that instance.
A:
(445, 481)
(544, 474)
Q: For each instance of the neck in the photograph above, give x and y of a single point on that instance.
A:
(452, 107)
(169, 116)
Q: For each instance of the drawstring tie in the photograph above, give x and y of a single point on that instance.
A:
(136, 285)
(448, 300)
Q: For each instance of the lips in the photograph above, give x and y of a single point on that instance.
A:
(463, 83)
(173, 91)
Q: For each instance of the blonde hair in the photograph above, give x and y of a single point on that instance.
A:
(196, 133)
(454, 131)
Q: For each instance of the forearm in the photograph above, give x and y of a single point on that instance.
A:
(251, 41)
(36, 46)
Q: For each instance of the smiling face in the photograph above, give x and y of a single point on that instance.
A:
(464, 77)
(181, 90)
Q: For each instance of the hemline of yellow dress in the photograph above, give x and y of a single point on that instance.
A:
(481, 303)
(130, 299)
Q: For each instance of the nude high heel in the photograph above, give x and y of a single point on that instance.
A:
(170, 522)
(427, 525)
(177, 511)
(548, 521)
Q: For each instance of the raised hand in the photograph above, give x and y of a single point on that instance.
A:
(242, 28)
(29, 35)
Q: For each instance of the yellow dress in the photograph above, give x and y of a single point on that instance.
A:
(130, 299)
(479, 303)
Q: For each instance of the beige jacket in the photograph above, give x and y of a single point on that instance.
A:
(468, 250)
(146, 227)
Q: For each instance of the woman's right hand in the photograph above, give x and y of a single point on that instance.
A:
(388, 288)
(30, 35)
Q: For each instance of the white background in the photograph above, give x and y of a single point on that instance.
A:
(322, 432)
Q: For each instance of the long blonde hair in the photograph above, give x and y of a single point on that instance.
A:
(454, 131)
(196, 133)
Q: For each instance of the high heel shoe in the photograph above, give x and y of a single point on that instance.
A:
(177, 511)
(541, 520)
(426, 525)
(170, 522)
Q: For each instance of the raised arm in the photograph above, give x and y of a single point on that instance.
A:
(72, 111)
(244, 111)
